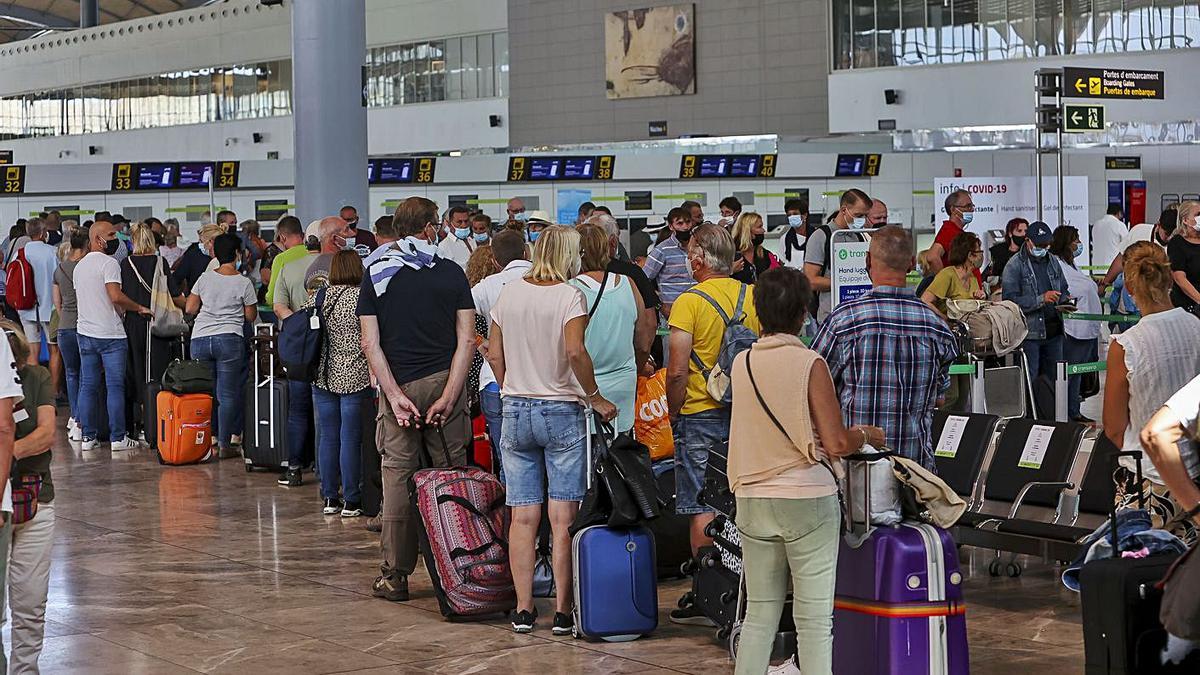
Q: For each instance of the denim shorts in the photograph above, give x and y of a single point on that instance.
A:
(694, 435)
(542, 443)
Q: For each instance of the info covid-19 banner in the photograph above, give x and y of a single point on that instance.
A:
(999, 200)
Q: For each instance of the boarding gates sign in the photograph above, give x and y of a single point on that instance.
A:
(848, 268)
(998, 200)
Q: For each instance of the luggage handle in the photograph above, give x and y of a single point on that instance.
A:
(865, 458)
(1112, 522)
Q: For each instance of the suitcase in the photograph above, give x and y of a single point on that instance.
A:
(371, 476)
(615, 582)
(481, 446)
(264, 443)
(898, 605)
(1120, 603)
(672, 532)
(150, 410)
(184, 428)
(463, 539)
(616, 589)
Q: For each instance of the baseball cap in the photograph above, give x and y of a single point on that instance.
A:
(1040, 233)
(540, 217)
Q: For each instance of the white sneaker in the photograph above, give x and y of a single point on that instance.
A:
(126, 443)
(74, 431)
(88, 444)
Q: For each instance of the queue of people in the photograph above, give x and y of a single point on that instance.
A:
(433, 319)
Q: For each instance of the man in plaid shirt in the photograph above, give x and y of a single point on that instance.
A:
(888, 352)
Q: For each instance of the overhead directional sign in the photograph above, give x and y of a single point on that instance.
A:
(1114, 83)
(1082, 118)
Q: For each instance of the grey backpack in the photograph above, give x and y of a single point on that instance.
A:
(736, 339)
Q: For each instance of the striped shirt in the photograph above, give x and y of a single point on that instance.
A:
(668, 265)
(888, 354)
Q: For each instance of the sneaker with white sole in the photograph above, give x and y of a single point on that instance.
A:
(87, 444)
(126, 443)
(74, 431)
(332, 507)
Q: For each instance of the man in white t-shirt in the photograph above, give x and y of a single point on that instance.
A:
(102, 341)
(1107, 234)
(509, 256)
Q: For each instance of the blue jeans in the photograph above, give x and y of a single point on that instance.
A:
(695, 435)
(226, 354)
(299, 417)
(68, 345)
(108, 354)
(1043, 356)
(543, 449)
(489, 402)
(1077, 351)
(340, 449)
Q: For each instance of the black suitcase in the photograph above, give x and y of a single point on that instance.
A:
(672, 532)
(1121, 630)
(371, 475)
(264, 443)
(150, 409)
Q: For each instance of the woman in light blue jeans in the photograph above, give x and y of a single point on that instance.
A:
(787, 507)
(223, 300)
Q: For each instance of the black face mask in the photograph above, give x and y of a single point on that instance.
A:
(111, 246)
(683, 236)
(758, 239)
(1019, 241)
(1159, 239)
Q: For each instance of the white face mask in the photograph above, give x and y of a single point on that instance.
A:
(796, 220)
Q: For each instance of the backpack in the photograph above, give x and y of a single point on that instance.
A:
(19, 290)
(300, 338)
(735, 339)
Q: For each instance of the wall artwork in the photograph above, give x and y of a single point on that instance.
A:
(650, 52)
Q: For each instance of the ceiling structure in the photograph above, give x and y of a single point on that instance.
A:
(21, 19)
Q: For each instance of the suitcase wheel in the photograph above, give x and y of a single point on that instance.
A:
(735, 639)
(249, 468)
(723, 633)
(688, 567)
(686, 600)
(1013, 569)
(710, 530)
(994, 567)
(728, 597)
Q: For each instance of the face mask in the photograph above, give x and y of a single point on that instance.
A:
(758, 239)
(968, 216)
(1078, 250)
(533, 236)
(111, 246)
(350, 241)
(1018, 240)
(238, 264)
(521, 217)
(1158, 238)
(481, 238)
(1196, 225)
(462, 232)
(796, 220)
(683, 237)
(858, 223)
(1039, 252)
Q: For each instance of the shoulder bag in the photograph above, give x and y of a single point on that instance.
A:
(166, 319)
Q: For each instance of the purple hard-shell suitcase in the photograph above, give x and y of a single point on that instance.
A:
(899, 603)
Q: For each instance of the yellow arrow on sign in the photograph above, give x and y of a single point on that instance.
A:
(1080, 85)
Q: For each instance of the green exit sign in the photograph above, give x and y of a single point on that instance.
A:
(1081, 118)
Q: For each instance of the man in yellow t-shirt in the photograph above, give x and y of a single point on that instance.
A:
(699, 421)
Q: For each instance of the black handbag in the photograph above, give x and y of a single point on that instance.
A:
(609, 499)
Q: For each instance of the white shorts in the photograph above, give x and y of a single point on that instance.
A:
(34, 330)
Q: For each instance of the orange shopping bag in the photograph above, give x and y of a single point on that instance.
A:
(652, 427)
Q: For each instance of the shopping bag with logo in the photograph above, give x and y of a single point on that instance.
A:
(652, 427)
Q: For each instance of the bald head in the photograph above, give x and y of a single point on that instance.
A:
(878, 215)
(99, 235)
(891, 255)
(515, 205)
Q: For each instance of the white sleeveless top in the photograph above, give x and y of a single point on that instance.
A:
(1162, 354)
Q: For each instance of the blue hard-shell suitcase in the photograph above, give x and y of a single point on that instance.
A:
(616, 585)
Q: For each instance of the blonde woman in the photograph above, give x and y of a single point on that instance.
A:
(137, 280)
(31, 541)
(1183, 250)
(1147, 364)
(537, 353)
(197, 258)
(749, 233)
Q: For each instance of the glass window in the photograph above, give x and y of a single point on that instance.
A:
(453, 69)
(501, 52)
(470, 59)
(487, 66)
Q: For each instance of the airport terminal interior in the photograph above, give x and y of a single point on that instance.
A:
(408, 336)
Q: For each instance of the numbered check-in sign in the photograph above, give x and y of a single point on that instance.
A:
(848, 266)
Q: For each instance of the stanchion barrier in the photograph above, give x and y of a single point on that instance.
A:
(975, 370)
(1064, 370)
(1104, 318)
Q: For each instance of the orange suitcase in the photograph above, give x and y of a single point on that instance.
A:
(184, 428)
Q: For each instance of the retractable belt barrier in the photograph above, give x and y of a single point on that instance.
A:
(1064, 370)
(1104, 318)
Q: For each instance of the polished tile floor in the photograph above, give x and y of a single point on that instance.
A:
(211, 569)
